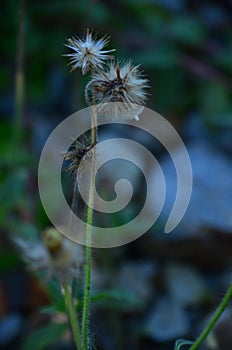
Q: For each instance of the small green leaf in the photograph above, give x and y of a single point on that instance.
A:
(120, 299)
(182, 342)
(49, 309)
(44, 337)
(55, 294)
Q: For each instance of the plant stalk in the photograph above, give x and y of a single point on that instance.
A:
(214, 319)
(19, 79)
(73, 317)
(86, 301)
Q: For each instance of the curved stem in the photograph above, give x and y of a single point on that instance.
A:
(214, 319)
(72, 316)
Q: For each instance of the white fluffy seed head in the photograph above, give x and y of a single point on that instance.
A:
(88, 53)
(119, 92)
(54, 255)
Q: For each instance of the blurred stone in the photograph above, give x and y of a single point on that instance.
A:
(210, 204)
(167, 321)
(136, 278)
(184, 284)
(10, 327)
(221, 335)
(99, 278)
(223, 330)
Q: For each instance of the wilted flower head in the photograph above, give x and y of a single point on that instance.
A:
(55, 255)
(77, 153)
(122, 84)
(88, 53)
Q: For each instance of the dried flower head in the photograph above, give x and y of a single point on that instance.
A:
(122, 84)
(55, 255)
(88, 53)
(77, 153)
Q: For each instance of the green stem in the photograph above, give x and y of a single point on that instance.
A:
(86, 301)
(73, 317)
(19, 79)
(214, 319)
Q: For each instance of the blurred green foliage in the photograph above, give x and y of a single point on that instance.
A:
(185, 50)
(181, 49)
(44, 337)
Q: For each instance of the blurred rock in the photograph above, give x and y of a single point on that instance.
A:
(167, 321)
(221, 336)
(210, 204)
(223, 330)
(136, 278)
(10, 327)
(184, 284)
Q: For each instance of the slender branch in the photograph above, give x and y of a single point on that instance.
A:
(214, 319)
(73, 317)
(19, 77)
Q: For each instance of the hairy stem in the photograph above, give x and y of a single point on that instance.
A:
(86, 301)
(214, 319)
(73, 317)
